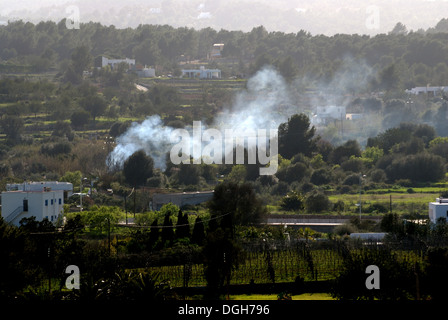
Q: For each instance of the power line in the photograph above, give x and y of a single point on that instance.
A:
(125, 225)
(178, 225)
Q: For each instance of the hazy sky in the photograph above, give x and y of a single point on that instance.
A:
(320, 16)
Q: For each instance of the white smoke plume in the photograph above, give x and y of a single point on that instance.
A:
(150, 135)
(265, 104)
(267, 101)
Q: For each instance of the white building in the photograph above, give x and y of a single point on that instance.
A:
(432, 91)
(202, 73)
(328, 113)
(438, 209)
(102, 61)
(20, 204)
(66, 187)
(216, 51)
(146, 72)
(354, 116)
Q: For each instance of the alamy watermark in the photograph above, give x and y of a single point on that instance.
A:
(73, 280)
(373, 280)
(191, 149)
(373, 17)
(72, 21)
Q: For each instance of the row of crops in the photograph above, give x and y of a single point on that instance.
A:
(276, 264)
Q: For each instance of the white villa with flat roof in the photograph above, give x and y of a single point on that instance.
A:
(67, 187)
(202, 73)
(34, 199)
(438, 209)
(433, 91)
(17, 205)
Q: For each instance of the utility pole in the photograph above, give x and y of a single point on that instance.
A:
(80, 196)
(360, 189)
(49, 271)
(125, 209)
(108, 233)
(390, 203)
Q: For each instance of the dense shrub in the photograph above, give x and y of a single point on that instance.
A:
(421, 167)
(353, 179)
(294, 172)
(54, 149)
(397, 276)
(293, 201)
(320, 177)
(317, 202)
(378, 175)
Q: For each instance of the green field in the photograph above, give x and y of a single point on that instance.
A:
(400, 200)
(303, 296)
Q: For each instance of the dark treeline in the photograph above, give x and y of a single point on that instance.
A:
(419, 57)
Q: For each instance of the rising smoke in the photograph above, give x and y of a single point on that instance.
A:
(265, 104)
(267, 101)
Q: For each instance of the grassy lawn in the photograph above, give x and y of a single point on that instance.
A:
(385, 197)
(303, 296)
(404, 200)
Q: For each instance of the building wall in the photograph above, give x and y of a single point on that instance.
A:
(438, 209)
(202, 73)
(40, 204)
(147, 73)
(427, 90)
(67, 187)
(103, 61)
(180, 199)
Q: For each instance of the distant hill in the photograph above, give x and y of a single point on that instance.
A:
(317, 17)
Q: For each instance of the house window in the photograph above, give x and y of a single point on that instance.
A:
(46, 203)
(25, 205)
(51, 201)
(60, 201)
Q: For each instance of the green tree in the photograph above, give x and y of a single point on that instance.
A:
(13, 270)
(62, 129)
(344, 152)
(95, 105)
(421, 167)
(296, 136)
(435, 277)
(182, 226)
(238, 202)
(198, 235)
(293, 201)
(389, 78)
(321, 176)
(12, 126)
(81, 59)
(288, 68)
(154, 234)
(294, 172)
(167, 230)
(317, 202)
(188, 174)
(372, 154)
(221, 256)
(74, 177)
(79, 118)
(397, 277)
(138, 168)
